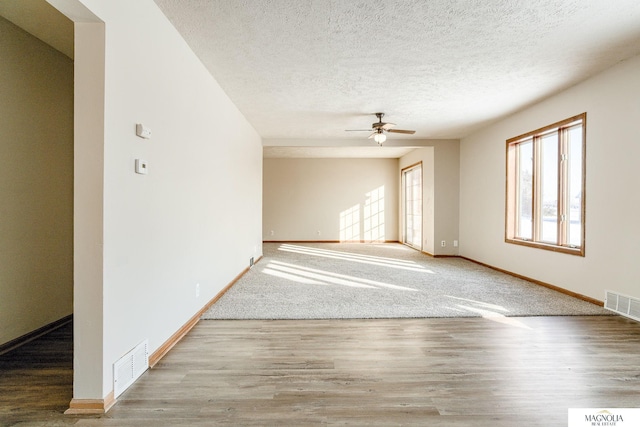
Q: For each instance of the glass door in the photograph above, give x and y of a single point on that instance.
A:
(412, 205)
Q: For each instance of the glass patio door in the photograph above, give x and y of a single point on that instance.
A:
(412, 205)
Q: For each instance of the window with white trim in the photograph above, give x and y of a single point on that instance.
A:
(545, 187)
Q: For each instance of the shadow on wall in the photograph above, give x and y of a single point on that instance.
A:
(364, 222)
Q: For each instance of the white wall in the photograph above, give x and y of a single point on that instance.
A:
(440, 185)
(612, 102)
(36, 183)
(194, 219)
(304, 196)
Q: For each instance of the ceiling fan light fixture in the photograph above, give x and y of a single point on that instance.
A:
(380, 138)
(379, 129)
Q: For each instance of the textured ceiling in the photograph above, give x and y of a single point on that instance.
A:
(312, 68)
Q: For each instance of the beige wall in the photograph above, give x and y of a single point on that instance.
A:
(145, 243)
(340, 198)
(612, 102)
(36, 183)
(440, 198)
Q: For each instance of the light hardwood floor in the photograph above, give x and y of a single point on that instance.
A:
(428, 372)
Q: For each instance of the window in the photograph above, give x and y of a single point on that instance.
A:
(545, 187)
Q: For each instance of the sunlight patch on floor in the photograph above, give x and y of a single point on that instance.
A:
(308, 275)
(363, 259)
(496, 317)
(480, 303)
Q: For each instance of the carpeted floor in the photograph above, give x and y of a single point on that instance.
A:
(351, 280)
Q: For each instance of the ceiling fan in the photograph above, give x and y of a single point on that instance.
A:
(379, 128)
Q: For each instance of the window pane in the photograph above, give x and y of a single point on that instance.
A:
(525, 190)
(412, 181)
(575, 186)
(549, 188)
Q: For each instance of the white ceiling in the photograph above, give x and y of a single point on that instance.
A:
(303, 69)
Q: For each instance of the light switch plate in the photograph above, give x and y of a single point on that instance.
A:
(142, 167)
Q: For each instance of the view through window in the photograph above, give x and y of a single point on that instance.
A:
(412, 205)
(545, 187)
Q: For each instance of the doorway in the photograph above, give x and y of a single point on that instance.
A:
(412, 206)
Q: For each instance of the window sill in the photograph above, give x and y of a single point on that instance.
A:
(548, 247)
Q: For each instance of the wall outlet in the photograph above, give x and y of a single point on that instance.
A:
(142, 167)
(443, 243)
(319, 233)
(197, 290)
(271, 233)
(455, 243)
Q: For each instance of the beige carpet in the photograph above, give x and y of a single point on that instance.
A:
(351, 281)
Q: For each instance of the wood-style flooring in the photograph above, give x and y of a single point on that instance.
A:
(428, 372)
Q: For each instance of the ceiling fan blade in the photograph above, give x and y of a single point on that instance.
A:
(410, 132)
(357, 130)
(387, 126)
(372, 135)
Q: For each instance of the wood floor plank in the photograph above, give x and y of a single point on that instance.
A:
(436, 372)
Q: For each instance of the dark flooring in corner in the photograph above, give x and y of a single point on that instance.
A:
(36, 380)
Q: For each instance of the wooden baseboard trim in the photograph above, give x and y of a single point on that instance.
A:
(17, 342)
(325, 241)
(301, 241)
(91, 406)
(155, 357)
(538, 282)
(440, 256)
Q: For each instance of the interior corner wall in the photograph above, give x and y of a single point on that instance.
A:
(175, 237)
(36, 183)
(611, 100)
(440, 194)
(342, 199)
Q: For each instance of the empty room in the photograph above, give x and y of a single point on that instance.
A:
(325, 212)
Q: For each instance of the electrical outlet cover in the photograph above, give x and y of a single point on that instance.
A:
(142, 167)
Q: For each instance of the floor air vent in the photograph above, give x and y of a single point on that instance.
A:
(129, 367)
(622, 304)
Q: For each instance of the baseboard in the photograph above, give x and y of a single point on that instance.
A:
(22, 340)
(301, 241)
(155, 357)
(326, 241)
(538, 282)
(440, 256)
(101, 406)
(90, 406)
